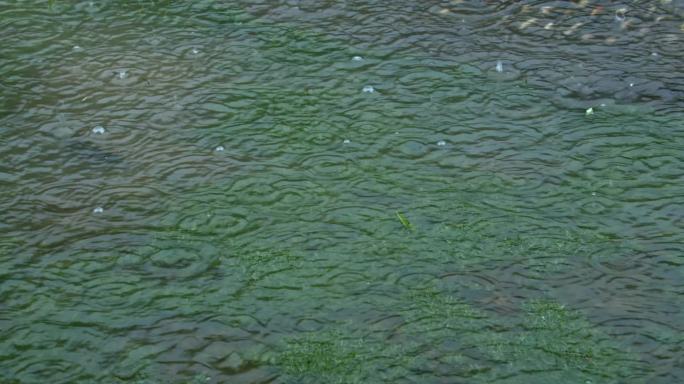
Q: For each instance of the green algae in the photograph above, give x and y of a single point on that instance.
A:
(544, 342)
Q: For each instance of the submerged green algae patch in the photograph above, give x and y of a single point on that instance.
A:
(552, 343)
(258, 265)
(441, 336)
(323, 356)
(341, 356)
(541, 251)
(431, 309)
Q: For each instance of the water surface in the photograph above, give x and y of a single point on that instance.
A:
(235, 220)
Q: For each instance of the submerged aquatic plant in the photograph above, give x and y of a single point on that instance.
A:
(442, 334)
(324, 355)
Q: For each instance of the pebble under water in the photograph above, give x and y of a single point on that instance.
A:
(341, 192)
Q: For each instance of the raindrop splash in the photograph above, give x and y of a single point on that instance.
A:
(98, 210)
(220, 148)
(99, 130)
(368, 89)
(499, 66)
(357, 58)
(441, 143)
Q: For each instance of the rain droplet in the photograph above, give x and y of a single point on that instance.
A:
(121, 74)
(499, 66)
(441, 143)
(98, 210)
(368, 89)
(220, 148)
(195, 51)
(357, 58)
(346, 141)
(98, 130)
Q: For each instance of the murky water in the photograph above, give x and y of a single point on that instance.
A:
(341, 192)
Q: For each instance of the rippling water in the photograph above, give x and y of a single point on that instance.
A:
(236, 217)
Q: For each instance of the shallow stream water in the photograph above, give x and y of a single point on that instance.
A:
(341, 192)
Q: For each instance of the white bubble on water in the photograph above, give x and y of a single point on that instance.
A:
(441, 143)
(76, 48)
(346, 141)
(499, 66)
(220, 148)
(195, 51)
(631, 84)
(654, 53)
(122, 74)
(368, 89)
(98, 210)
(98, 130)
(357, 58)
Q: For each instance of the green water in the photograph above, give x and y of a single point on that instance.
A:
(252, 213)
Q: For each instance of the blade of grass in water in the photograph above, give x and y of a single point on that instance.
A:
(404, 221)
